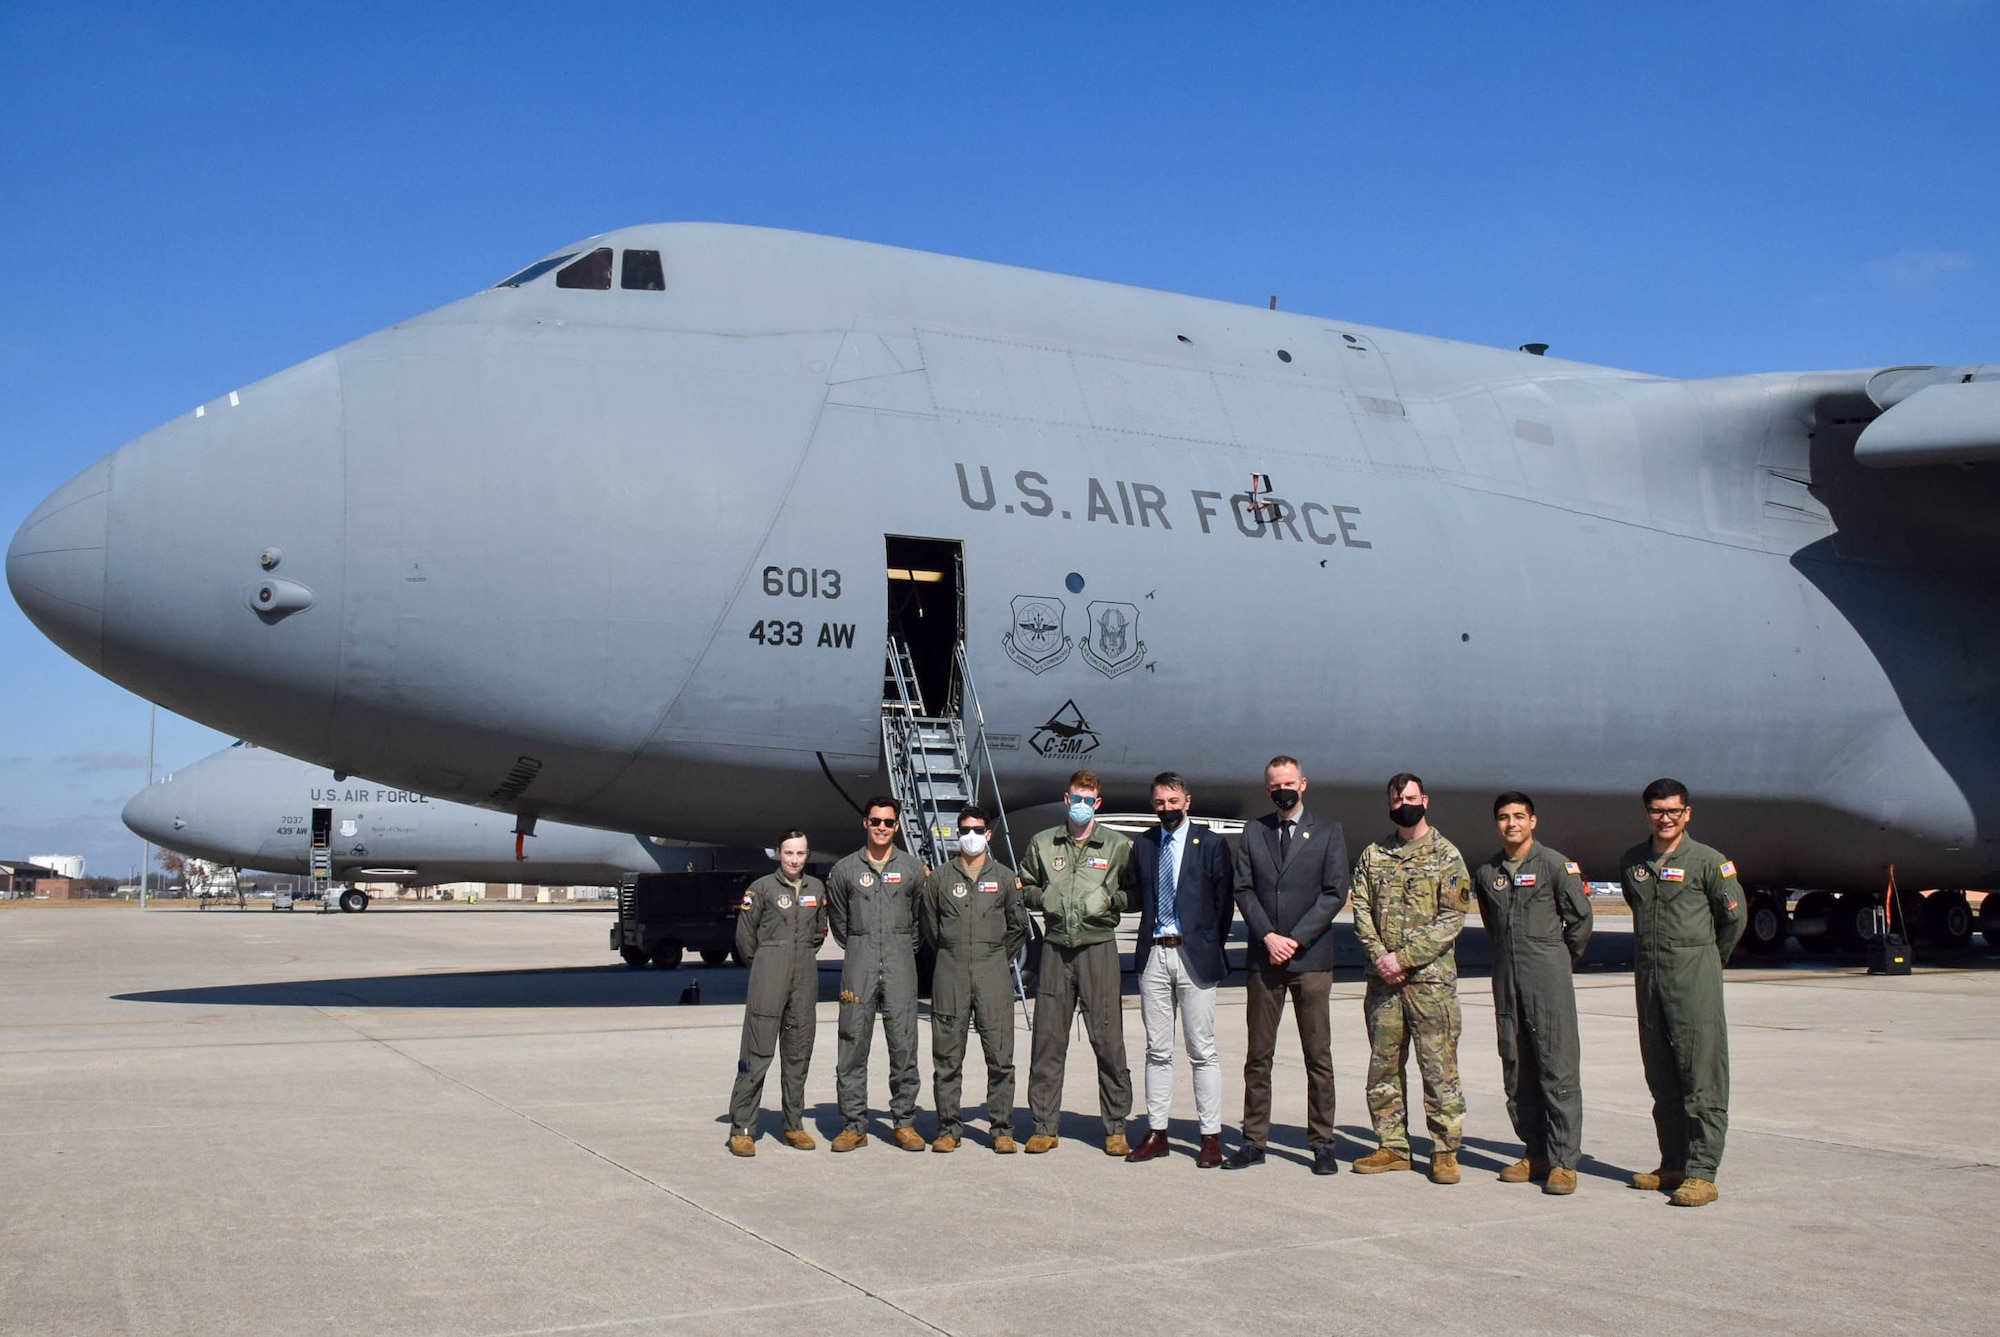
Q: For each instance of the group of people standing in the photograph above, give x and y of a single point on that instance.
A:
(1289, 877)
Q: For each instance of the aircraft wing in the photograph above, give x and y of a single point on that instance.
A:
(1932, 415)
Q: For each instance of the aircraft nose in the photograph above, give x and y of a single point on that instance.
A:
(55, 565)
(151, 814)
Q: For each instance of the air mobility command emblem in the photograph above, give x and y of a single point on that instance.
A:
(1499, 882)
(1035, 641)
(958, 890)
(1059, 863)
(867, 879)
(1639, 873)
(1113, 646)
(784, 901)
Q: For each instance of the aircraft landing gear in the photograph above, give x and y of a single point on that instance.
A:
(1948, 919)
(1765, 934)
(353, 901)
(634, 957)
(667, 956)
(715, 956)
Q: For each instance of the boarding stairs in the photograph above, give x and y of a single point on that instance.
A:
(937, 766)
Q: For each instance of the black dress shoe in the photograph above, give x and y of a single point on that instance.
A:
(1243, 1157)
(1324, 1161)
(1153, 1146)
(1210, 1154)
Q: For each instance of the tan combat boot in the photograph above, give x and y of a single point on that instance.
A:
(1041, 1142)
(849, 1140)
(1381, 1161)
(1116, 1145)
(1525, 1170)
(800, 1138)
(741, 1145)
(1444, 1167)
(909, 1139)
(945, 1143)
(1004, 1144)
(1561, 1182)
(1661, 1180)
(1695, 1193)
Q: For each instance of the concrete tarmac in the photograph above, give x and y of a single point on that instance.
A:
(476, 1122)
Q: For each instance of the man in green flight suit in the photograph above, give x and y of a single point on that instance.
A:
(972, 915)
(1411, 893)
(1687, 914)
(1536, 908)
(779, 928)
(1080, 876)
(872, 895)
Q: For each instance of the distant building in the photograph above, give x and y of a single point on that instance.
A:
(63, 865)
(25, 878)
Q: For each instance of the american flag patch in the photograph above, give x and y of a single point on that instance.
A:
(1673, 875)
(1729, 870)
(1572, 870)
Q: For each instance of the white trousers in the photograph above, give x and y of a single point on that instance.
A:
(1164, 986)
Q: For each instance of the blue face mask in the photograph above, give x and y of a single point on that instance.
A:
(1082, 811)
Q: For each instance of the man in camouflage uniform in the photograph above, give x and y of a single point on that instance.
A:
(1411, 893)
(1536, 907)
(972, 915)
(779, 929)
(1080, 876)
(872, 896)
(1687, 915)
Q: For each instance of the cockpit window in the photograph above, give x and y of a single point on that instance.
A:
(642, 270)
(593, 271)
(535, 271)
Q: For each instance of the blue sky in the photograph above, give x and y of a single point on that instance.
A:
(195, 195)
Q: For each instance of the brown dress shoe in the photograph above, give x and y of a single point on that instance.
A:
(1525, 1170)
(1116, 1145)
(849, 1140)
(1561, 1182)
(1042, 1142)
(800, 1138)
(1659, 1181)
(944, 1144)
(1381, 1161)
(1151, 1147)
(1210, 1154)
(909, 1139)
(1444, 1167)
(1695, 1193)
(741, 1145)
(1004, 1144)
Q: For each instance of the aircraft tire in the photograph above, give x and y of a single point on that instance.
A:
(1765, 934)
(715, 956)
(1854, 920)
(1989, 919)
(634, 957)
(353, 902)
(1948, 919)
(1812, 920)
(667, 956)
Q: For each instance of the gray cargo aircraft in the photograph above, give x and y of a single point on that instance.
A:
(249, 807)
(623, 539)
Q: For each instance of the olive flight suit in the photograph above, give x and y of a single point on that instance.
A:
(1687, 913)
(778, 932)
(977, 922)
(1537, 911)
(1410, 898)
(874, 916)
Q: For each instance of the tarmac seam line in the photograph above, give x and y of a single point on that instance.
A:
(673, 1193)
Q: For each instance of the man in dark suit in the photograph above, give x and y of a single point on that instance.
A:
(1291, 880)
(1186, 885)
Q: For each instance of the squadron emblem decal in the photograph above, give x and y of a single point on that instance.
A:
(1035, 640)
(1113, 646)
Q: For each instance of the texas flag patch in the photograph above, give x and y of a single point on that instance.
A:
(1729, 870)
(1098, 864)
(809, 901)
(1525, 880)
(892, 878)
(989, 887)
(1572, 870)
(1673, 875)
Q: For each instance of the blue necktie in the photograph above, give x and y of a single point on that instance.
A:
(1170, 920)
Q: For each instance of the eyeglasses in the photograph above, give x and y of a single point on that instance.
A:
(1657, 813)
(965, 829)
(880, 821)
(1084, 798)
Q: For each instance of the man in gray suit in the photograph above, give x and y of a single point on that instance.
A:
(1291, 880)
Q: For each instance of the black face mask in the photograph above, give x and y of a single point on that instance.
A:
(1170, 818)
(1407, 815)
(1286, 799)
